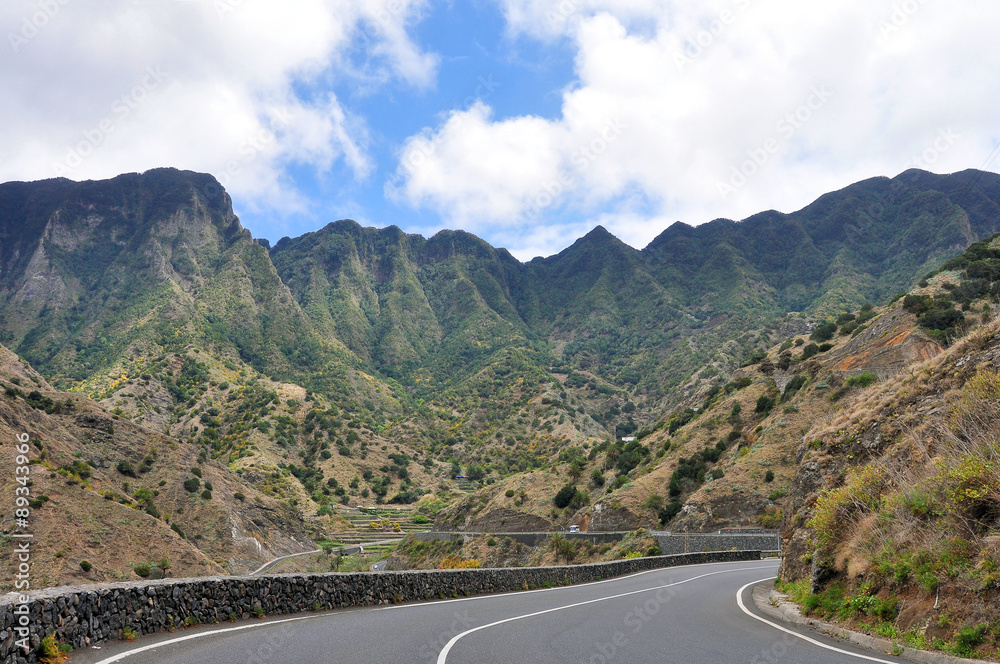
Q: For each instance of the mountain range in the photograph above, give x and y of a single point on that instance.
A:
(361, 364)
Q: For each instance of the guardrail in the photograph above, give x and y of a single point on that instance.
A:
(86, 615)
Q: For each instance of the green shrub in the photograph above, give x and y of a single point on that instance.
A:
(142, 569)
(809, 351)
(764, 404)
(920, 504)
(771, 518)
(563, 547)
(864, 379)
(565, 496)
(672, 509)
(509, 493)
(191, 485)
(710, 454)
(85, 565)
(769, 476)
(51, 651)
(824, 331)
(793, 386)
(810, 604)
(968, 638)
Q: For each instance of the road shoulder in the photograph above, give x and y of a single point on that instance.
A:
(778, 606)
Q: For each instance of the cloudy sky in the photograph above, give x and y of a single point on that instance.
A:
(527, 122)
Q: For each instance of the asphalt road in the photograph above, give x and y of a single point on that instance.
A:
(684, 614)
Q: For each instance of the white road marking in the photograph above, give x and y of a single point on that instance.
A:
(443, 656)
(119, 657)
(739, 600)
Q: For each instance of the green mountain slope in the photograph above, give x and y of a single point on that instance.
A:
(361, 364)
(99, 272)
(421, 311)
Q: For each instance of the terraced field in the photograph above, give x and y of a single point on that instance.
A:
(388, 523)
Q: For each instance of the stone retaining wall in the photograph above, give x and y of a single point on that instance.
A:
(673, 543)
(747, 531)
(86, 615)
(527, 539)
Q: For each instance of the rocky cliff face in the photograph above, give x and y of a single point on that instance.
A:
(896, 496)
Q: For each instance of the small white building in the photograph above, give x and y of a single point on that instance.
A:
(628, 439)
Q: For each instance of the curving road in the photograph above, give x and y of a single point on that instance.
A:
(682, 614)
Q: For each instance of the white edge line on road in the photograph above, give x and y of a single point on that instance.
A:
(119, 657)
(152, 646)
(739, 600)
(443, 656)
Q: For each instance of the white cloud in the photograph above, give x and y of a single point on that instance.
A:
(722, 108)
(448, 171)
(237, 88)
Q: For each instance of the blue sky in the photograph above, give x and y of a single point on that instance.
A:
(477, 62)
(527, 122)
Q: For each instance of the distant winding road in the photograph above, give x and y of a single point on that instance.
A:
(684, 615)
